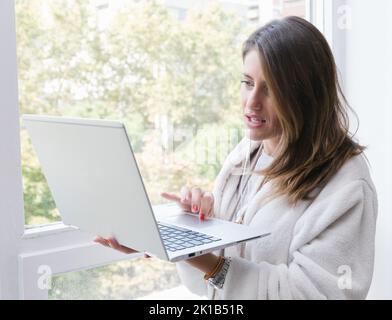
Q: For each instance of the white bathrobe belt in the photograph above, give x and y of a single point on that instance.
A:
(241, 194)
(243, 185)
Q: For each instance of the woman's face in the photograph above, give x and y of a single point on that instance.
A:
(257, 104)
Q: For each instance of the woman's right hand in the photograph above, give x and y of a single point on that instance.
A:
(193, 200)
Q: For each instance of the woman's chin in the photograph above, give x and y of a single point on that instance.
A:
(255, 135)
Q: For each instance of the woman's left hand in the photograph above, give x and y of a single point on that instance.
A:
(205, 263)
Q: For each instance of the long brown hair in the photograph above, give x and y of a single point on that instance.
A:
(300, 71)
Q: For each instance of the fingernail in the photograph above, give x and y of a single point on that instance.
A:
(195, 208)
(202, 217)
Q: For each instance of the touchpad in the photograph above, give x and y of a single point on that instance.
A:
(192, 221)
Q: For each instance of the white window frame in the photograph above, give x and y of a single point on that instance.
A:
(62, 248)
(11, 198)
(319, 12)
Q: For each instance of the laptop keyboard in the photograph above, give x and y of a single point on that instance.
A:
(177, 238)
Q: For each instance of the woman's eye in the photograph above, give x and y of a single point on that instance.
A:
(265, 90)
(247, 83)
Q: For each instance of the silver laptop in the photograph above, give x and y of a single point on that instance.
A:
(95, 181)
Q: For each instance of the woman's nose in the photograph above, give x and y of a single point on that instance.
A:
(254, 102)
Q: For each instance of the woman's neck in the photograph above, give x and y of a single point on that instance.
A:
(270, 146)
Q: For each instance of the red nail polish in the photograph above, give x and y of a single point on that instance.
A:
(195, 208)
(202, 217)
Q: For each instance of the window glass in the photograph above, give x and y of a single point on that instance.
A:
(134, 279)
(168, 69)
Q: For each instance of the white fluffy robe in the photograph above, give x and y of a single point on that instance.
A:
(320, 249)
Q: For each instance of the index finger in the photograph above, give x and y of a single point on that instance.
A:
(170, 196)
(177, 199)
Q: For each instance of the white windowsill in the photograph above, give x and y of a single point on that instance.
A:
(35, 231)
(47, 229)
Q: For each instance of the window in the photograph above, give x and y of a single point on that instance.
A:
(170, 71)
(88, 59)
(132, 279)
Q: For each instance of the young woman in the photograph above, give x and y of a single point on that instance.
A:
(298, 174)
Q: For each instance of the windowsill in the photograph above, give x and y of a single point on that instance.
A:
(35, 231)
(47, 229)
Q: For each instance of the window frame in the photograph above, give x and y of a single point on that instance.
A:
(11, 194)
(63, 248)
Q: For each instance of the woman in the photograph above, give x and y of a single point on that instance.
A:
(297, 173)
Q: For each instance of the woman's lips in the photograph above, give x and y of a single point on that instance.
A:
(254, 121)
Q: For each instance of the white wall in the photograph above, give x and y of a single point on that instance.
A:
(364, 55)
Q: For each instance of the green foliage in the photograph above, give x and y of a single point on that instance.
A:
(143, 66)
(175, 85)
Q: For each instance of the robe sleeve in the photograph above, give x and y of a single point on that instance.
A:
(332, 253)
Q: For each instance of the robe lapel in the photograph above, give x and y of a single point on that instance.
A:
(227, 181)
